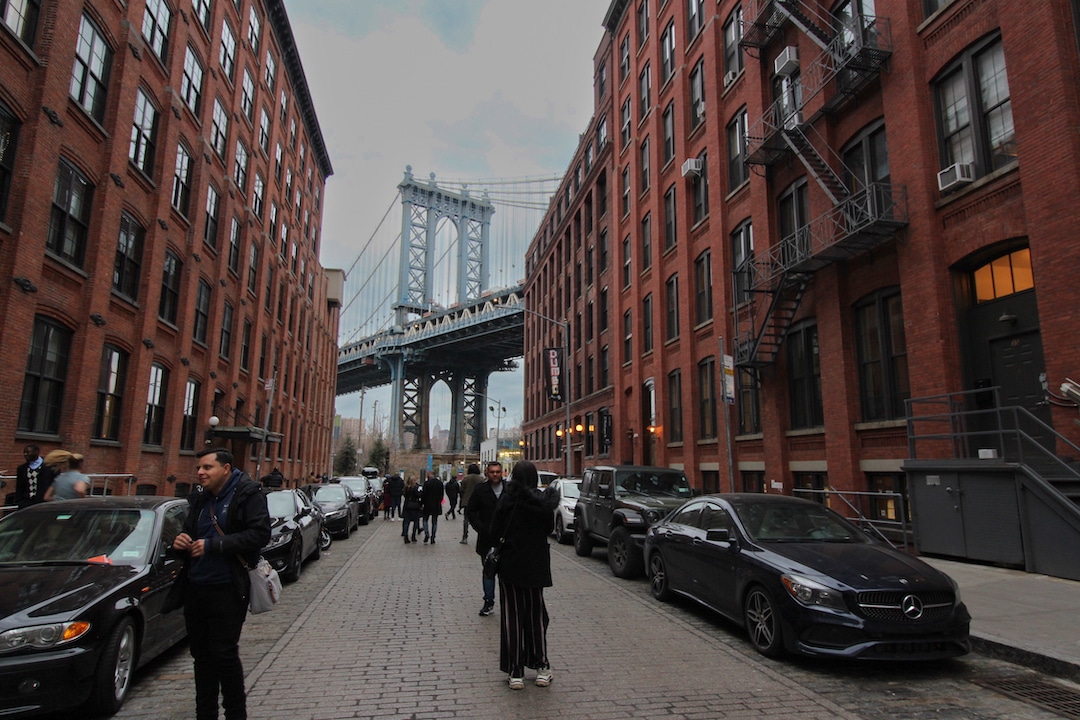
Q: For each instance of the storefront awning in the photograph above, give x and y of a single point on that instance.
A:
(246, 433)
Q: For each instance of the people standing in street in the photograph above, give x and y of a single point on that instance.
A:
(386, 503)
(432, 497)
(32, 478)
(411, 510)
(479, 513)
(227, 526)
(453, 491)
(71, 483)
(524, 517)
(468, 484)
(396, 486)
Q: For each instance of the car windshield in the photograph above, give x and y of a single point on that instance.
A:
(569, 491)
(643, 482)
(281, 504)
(109, 536)
(330, 493)
(795, 522)
(359, 486)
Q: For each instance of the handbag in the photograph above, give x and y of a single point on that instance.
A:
(265, 583)
(494, 553)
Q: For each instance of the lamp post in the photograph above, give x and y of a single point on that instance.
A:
(213, 422)
(499, 414)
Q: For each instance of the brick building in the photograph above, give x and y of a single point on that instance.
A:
(161, 181)
(865, 201)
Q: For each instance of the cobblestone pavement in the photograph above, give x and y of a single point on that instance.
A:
(380, 629)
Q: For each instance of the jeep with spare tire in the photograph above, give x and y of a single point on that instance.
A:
(617, 505)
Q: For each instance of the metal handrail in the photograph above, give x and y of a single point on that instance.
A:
(875, 526)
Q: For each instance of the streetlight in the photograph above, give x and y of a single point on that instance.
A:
(213, 422)
(499, 415)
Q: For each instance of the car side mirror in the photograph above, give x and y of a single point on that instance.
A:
(721, 535)
(604, 491)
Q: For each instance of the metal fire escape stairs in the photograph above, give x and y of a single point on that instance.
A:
(853, 55)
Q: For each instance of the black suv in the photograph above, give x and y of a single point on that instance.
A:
(617, 505)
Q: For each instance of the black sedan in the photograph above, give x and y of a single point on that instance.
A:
(799, 577)
(295, 525)
(361, 488)
(82, 584)
(340, 506)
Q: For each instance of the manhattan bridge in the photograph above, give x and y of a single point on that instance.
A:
(436, 294)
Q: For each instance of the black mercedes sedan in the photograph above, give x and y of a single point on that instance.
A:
(295, 525)
(800, 578)
(82, 584)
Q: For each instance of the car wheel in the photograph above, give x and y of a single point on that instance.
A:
(347, 531)
(624, 559)
(659, 583)
(317, 552)
(560, 531)
(365, 517)
(762, 622)
(325, 540)
(115, 668)
(296, 562)
(583, 544)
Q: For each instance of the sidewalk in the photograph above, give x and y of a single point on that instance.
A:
(1029, 619)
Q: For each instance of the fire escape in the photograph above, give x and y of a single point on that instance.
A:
(863, 214)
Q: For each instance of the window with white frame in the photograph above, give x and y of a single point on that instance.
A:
(626, 115)
(645, 91)
(191, 81)
(154, 422)
(143, 132)
(21, 17)
(127, 265)
(234, 246)
(213, 207)
(253, 269)
(247, 95)
(742, 260)
(90, 75)
(190, 421)
(667, 53)
(202, 312)
(270, 70)
(697, 94)
(642, 22)
(699, 190)
(738, 172)
(171, 274)
(227, 53)
(202, 12)
(624, 57)
(219, 129)
(695, 18)
(240, 167)
(254, 29)
(733, 55)
(257, 192)
(181, 189)
(155, 27)
(264, 129)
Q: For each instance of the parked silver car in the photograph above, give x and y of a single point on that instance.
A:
(568, 489)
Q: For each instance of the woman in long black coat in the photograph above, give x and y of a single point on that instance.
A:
(525, 517)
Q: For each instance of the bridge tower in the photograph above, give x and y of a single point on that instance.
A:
(426, 207)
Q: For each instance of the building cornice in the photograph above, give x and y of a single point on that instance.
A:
(614, 15)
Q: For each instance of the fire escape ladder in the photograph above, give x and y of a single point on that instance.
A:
(815, 164)
(762, 347)
(808, 20)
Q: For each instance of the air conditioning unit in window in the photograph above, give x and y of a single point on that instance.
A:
(692, 166)
(955, 175)
(794, 120)
(787, 62)
(730, 77)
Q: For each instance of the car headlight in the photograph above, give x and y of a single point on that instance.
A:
(279, 540)
(42, 636)
(653, 516)
(335, 514)
(810, 593)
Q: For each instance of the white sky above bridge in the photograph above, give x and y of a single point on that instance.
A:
(461, 88)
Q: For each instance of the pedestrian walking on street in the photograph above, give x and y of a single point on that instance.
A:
(480, 511)
(386, 504)
(227, 526)
(432, 497)
(397, 487)
(524, 517)
(468, 484)
(32, 478)
(71, 483)
(410, 513)
(453, 491)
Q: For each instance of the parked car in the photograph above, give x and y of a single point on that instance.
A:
(295, 525)
(568, 490)
(544, 478)
(361, 487)
(340, 506)
(800, 578)
(617, 505)
(82, 584)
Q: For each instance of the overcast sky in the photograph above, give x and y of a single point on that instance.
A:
(461, 88)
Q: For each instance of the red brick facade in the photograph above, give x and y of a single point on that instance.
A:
(910, 291)
(95, 297)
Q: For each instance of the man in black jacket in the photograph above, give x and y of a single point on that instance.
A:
(226, 528)
(479, 512)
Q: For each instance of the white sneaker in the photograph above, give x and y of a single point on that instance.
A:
(543, 677)
(516, 683)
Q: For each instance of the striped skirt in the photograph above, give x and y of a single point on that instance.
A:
(523, 633)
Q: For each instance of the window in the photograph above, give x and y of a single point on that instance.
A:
(645, 91)
(645, 165)
(1005, 275)
(213, 207)
(234, 246)
(975, 110)
(628, 336)
(748, 401)
(703, 302)
(278, 155)
(202, 312)
(227, 54)
(110, 393)
(602, 320)
(143, 133)
(932, 6)
(793, 215)
(90, 76)
(9, 140)
(697, 94)
(240, 169)
(225, 345)
(219, 129)
(733, 57)
(155, 27)
(253, 269)
(21, 16)
(646, 242)
(669, 132)
(646, 324)
(264, 130)
(675, 420)
(738, 172)
(46, 374)
(804, 377)
(245, 346)
(257, 191)
(154, 423)
(129, 250)
(247, 96)
(627, 274)
(867, 159)
(671, 289)
(742, 261)
(270, 70)
(707, 393)
(626, 190)
(191, 82)
(268, 302)
(202, 11)
(181, 189)
(254, 30)
(190, 423)
(882, 350)
(605, 367)
(169, 303)
(284, 105)
(70, 215)
(625, 115)
(669, 218)
(601, 81)
(667, 53)
(699, 189)
(292, 133)
(624, 57)
(642, 22)
(601, 133)
(695, 17)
